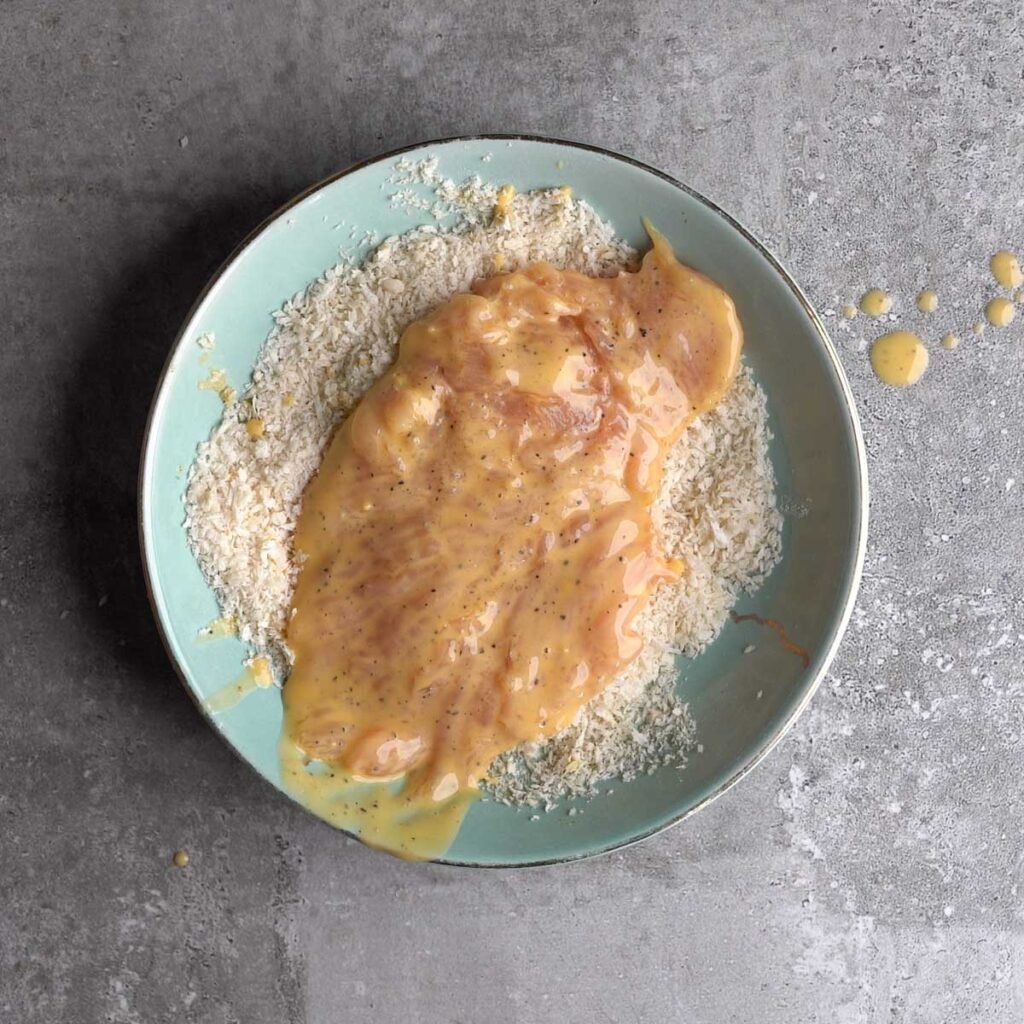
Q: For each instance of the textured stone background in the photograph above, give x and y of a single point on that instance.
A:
(868, 871)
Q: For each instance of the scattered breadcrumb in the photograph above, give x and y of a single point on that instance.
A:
(217, 381)
(330, 343)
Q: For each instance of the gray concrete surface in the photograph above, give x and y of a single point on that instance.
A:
(868, 871)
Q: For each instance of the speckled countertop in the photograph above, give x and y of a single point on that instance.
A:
(868, 871)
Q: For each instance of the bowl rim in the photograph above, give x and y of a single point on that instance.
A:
(859, 483)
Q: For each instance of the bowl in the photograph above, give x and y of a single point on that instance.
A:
(742, 704)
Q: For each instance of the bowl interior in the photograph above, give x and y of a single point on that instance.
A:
(741, 703)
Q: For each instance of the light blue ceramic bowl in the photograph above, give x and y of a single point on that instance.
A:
(742, 703)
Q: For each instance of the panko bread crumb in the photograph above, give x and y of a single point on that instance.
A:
(716, 510)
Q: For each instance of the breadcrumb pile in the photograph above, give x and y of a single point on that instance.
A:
(716, 512)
